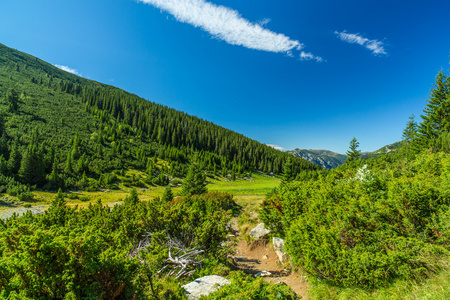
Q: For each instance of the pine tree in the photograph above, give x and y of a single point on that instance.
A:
(12, 99)
(195, 181)
(410, 132)
(133, 199)
(353, 152)
(14, 160)
(4, 146)
(437, 113)
(3, 165)
(69, 165)
(168, 194)
(32, 167)
(288, 174)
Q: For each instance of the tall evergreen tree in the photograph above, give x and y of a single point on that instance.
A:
(32, 166)
(167, 195)
(195, 181)
(410, 132)
(14, 160)
(436, 119)
(288, 174)
(353, 152)
(133, 198)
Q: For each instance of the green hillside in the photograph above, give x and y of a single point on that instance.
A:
(61, 130)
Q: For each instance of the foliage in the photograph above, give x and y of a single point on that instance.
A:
(84, 253)
(435, 124)
(194, 183)
(100, 131)
(353, 152)
(246, 287)
(353, 225)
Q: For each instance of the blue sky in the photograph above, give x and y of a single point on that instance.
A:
(298, 74)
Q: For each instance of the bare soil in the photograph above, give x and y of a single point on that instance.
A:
(259, 256)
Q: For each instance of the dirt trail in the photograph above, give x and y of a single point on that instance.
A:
(259, 256)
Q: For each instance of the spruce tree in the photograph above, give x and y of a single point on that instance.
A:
(32, 166)
(168, 194)
(288, 174)
(14, 159)
(410, 132)
(436, 119)
(133, 199)
(353, 152)
(195, 181)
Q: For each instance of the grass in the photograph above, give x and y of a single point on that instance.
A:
(247, 190)
(437, 287)
(250, 191)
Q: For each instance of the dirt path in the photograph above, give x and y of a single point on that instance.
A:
(259, 256)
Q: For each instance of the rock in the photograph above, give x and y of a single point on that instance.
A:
(259, 232)
(278, 246)
(204, 286)
(265, 257)
(263, 274)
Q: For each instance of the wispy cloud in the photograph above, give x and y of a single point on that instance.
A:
(377, 47)
(276, 147)
(310, 56)
(67, 69)
(227, 24)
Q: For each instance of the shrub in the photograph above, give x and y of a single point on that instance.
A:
(246, 287)
(367, 226)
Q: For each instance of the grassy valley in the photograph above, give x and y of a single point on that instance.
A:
(372, 227)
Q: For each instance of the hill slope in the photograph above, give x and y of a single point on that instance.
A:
(59, 129)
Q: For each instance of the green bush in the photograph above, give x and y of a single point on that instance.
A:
(85, 253)
(366, 226)
(246, 287)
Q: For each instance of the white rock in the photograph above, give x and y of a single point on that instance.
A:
(263, 274)
(278, 246)
(204, 286)
(259, 232)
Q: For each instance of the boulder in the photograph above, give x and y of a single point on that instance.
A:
(278, 246)
(259, 232)
(204, 286)
(263, 274)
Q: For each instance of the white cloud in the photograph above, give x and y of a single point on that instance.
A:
(310, 56)
(377, 47)
(276, 147)
(227, 24)
(67, 69)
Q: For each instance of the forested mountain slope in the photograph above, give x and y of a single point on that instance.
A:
(326, 159)
(61, 130)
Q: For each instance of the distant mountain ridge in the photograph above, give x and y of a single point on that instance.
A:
(330, 160)
(324, 158)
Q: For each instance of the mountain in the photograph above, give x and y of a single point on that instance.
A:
(330, 160)
(324, 158)
(60, 130)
